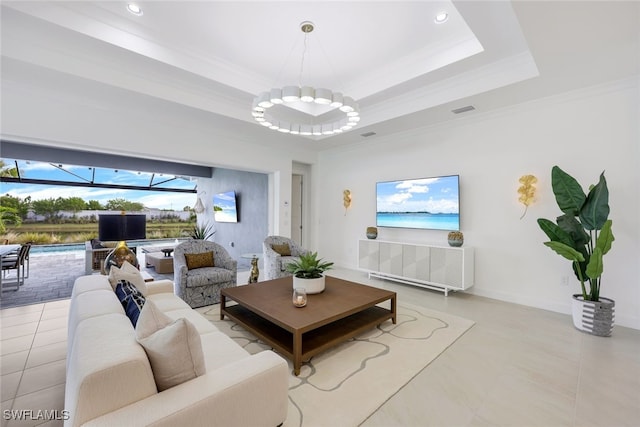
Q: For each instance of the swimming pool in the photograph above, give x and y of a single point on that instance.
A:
(67, 247)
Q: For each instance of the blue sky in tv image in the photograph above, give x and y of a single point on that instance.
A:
(428, 203)
(224, 207)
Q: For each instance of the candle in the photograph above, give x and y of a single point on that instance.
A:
(299, 297)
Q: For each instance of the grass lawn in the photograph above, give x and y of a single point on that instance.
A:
(43, 233)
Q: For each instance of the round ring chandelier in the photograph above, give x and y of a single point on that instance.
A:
(305, 94)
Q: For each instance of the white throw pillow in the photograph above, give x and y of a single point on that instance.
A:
(174, 349)
(151, 319)
(129, 273)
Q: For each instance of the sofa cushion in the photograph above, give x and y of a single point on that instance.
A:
(199, 260)
(91, 303)
(131, 299)
(220, 350)
(167, 302)
(129, 273)
(107, 368)
(90, 283)
(174, 349)
(282, 249)
(208, 275)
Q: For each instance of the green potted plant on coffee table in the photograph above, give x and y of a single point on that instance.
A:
(583, 236)
(308, 272)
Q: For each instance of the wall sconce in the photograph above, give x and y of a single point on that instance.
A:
(527, 191)
(346, 200)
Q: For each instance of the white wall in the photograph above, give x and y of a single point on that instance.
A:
(56, 110)
(583, 132)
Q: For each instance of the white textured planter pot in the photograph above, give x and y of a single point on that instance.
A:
(593, 317)
(311, 286)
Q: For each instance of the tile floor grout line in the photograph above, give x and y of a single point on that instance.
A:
(26, 360)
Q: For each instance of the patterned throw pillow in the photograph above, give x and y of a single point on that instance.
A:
(131, 299)
(204, 259)
(129, 273)
(283, 249)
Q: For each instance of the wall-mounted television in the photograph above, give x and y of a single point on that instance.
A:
(224, 207)
(423, 203)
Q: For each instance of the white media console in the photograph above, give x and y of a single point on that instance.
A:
(441, 268)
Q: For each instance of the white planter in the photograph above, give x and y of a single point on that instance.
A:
(593, 317)
(311, 286)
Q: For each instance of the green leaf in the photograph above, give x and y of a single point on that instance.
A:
(595, 210)
(566, 251)
(572, 226)
(568, 192)
(595, 266)
(554, 232)
(605, 238)
(308, 266)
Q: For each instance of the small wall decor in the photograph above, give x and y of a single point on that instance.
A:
(346, 200)
(527, 191)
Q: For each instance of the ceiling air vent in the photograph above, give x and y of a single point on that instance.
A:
(463, 109)
(367, 134)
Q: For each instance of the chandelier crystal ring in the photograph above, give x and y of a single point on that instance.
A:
(293, 96)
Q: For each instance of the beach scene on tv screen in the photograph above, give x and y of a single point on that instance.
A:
(224, 207)
(429, 203)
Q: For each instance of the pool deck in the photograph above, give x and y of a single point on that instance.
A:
(51, 277)
(52, 274)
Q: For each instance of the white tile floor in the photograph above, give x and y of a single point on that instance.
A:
(518, 366)
(33, 351)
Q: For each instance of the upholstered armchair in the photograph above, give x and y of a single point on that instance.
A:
(277, 252)
(200, 269)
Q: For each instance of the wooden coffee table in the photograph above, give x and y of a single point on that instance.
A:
(344, 310)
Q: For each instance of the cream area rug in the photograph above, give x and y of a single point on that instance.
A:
(346, 384)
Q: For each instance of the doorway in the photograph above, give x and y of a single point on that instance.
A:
(297, 208)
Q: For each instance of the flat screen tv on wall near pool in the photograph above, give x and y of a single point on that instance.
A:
(423, 203)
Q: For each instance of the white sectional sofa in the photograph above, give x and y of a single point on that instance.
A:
(110, 381)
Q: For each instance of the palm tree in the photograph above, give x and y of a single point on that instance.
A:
(8, 215)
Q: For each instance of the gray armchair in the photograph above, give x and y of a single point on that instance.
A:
(194, 279)
(276, 260)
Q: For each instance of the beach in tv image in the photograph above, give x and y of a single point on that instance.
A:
(426, 203)
(224, 207)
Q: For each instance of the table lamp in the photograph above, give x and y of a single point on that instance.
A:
(121, 228)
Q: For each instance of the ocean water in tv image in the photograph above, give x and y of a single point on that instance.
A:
(419, 220)
(424, 203)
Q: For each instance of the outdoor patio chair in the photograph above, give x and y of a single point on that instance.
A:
(17, 263)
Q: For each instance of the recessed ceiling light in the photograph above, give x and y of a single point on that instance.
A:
(135, 9)
(441, 17)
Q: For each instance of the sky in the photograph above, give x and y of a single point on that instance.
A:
(150, 199)
(435, 195)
